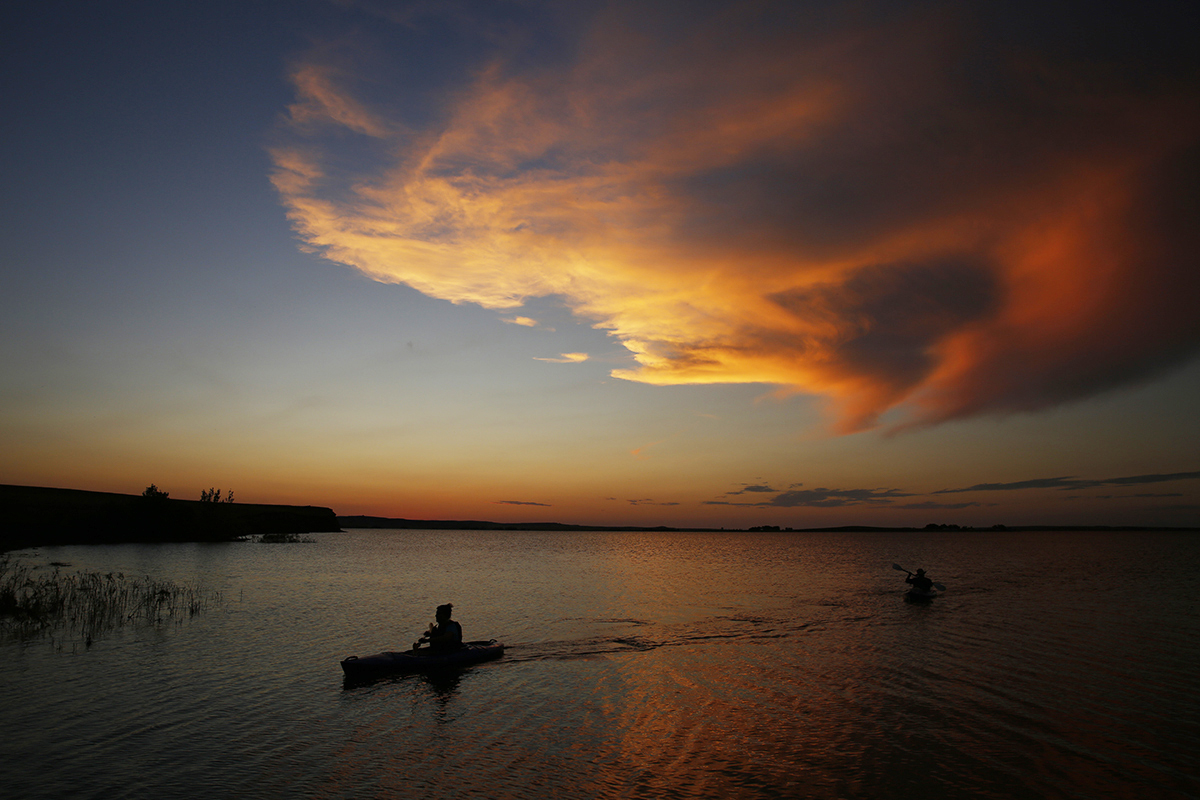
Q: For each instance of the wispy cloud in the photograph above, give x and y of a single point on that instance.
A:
(1074, 483)
(649, 502)
(640, 452)
(565, 358)
(929, 211)
(520, 503)
(827, 498)
(527, 322)
(929, 505)
(821, 498)
(1153, 478)
(322, 101)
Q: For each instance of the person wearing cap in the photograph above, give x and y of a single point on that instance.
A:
(919, 581)
(443, 635)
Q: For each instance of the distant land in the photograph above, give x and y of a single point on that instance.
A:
(391, 523)
(33, 516)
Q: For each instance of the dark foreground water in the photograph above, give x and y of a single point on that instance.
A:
(764, 665)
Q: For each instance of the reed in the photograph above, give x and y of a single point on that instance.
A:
(88, 603)
(285, 538)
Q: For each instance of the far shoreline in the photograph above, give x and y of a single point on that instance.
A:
(33, 517)
(362, 522)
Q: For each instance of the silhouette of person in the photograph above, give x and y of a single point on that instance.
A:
(919, 581)
(445, 634)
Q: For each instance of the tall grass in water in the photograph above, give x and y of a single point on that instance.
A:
(284, 538)
(89, 603)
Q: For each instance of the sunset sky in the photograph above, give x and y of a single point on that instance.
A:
(686, 264)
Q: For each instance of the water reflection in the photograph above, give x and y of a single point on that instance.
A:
(441, 686)
(724, 674)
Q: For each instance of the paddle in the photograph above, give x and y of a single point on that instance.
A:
(937, 586)
(417, 644)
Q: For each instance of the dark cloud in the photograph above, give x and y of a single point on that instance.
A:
(1037, 483)
(932, 506)
(826, 498)
(1125, 496)
(821, 498)
(1074, 483)
(753, 488)
(934, 209)
(520, 503)
(903, 311)
(1153, 478)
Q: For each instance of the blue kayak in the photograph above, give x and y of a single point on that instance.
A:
(421, 660)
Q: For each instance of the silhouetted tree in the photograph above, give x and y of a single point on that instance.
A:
(153, 493)
(214, 496)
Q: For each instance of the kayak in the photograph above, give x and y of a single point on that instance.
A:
(422, 661)
(916, 595)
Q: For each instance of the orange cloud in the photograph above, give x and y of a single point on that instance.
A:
(565, 358)
(906, 216)
(639, 453)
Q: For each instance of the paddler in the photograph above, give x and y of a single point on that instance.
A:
(919, 581)
(444, 634)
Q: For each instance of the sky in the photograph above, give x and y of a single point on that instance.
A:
(657, 263)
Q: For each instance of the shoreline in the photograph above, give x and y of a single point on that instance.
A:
(361, 522)
(32, 516)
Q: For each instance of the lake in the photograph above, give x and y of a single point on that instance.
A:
(638, 665)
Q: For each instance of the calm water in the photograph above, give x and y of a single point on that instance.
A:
(672, 665)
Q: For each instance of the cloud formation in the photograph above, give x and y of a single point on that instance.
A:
(565, 358)
(924, 209)
(818, 498)
(795, 497)
(753, 488)
(929, 505)
(1072, 483)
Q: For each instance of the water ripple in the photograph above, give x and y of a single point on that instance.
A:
(802, 675)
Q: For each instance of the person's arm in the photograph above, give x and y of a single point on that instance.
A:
(450, 633)
(425, 638)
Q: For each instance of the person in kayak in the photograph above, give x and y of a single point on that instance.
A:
(920, 582)
(443, 635)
